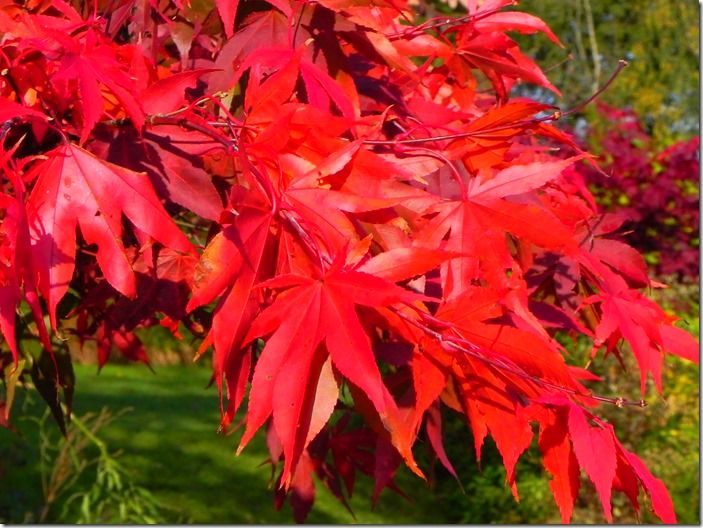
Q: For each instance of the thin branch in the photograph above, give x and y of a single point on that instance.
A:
(459, 344)
(621, 66)
(473, 351)
(450, 164)
(230, 144)
(578, 39)
(563, 61)
(444, 21)
(308, 242)
(461, 135)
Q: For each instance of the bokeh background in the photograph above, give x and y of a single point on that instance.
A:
(144, 447)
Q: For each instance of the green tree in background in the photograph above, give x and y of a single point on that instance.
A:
(659, 39)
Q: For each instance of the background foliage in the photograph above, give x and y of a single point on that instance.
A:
(659, 39)
(656, 190)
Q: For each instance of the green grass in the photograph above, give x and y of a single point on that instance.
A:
(170, 446)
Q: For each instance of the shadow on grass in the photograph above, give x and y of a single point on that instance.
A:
(170, 446)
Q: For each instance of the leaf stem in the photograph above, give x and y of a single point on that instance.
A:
(308, 241)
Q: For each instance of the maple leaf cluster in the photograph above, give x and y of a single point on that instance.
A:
(345, 203)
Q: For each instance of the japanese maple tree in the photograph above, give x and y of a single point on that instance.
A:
(346, 204)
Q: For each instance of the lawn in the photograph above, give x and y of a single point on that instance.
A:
(170, 446)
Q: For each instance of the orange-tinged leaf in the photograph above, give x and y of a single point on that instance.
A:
(322, 154)
(527, 222)
(529, 352)
(493, 409)
(518, 179)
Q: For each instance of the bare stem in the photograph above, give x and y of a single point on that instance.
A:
(461, 135)
(474, 352)
(229, 144)
(595, 55)
(621, 65)
(444, 21)
(309, 244)
(452, 168)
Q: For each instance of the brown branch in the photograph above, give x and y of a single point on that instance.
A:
(469, 349)
(595, 55)
(308, 243)
(460, 344)
(621, 66)
(450, 164)
(462, 135)
(190, 125)
(444, 21)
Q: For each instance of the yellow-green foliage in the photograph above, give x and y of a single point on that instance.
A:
(659, 39)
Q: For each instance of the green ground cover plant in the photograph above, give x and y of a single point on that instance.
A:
(166, 442)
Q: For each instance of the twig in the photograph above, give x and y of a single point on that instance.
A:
(461, 135)
(444, 21)
(309, 243)
(230, 144)
(621, 66)
(473, 351)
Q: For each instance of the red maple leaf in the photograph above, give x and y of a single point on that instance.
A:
(324, 327)
(74, 188)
